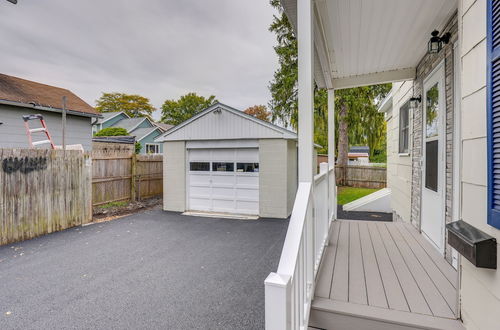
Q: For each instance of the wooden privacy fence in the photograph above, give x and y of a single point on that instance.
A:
(361, 176)
(123, 176)
(42, 191)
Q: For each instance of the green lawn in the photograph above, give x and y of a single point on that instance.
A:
(349, 194)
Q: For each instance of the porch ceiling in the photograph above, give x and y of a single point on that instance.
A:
(363, 42)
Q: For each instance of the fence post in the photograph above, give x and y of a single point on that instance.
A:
(278, 302)
(133, 170)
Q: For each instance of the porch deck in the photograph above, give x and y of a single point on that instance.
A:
(383, 275)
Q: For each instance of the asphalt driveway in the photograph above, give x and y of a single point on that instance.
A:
(152, 270)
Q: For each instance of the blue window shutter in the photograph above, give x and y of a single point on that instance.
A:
(493, 110)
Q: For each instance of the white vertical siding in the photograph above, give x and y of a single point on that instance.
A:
(480, 288)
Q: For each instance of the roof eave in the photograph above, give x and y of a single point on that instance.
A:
(49, 109)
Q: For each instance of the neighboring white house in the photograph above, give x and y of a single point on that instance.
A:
(358, 155)
(20, 97)
(223, 160)
(443, 57)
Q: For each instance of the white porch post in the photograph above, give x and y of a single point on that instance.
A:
(332, 182)
(305, 90)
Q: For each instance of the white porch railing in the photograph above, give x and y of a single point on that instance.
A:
(290, 290)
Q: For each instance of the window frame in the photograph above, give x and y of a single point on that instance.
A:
(157, 145)
(405, 106)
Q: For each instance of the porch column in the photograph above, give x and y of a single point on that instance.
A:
(332, 183)
(305, 90)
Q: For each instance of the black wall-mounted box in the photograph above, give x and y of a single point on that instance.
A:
(475, 245)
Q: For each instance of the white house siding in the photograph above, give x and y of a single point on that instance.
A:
(399, 171)
(174, 176)
(276, 176)
(480, 288)
(13, 133)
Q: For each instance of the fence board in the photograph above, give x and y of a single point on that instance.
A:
(361, 176)
(121, 175)
(42, 191)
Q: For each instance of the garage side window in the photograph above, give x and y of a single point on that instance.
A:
(222, 167)
(247, 167)
(199, 166)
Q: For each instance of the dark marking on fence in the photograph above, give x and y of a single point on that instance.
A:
(24, 165)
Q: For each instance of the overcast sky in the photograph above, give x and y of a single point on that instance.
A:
(160, 49)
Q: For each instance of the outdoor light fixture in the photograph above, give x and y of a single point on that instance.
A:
(436, 42)
(414, 101)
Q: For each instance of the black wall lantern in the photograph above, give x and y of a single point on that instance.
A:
(414, 101)
(436, 42)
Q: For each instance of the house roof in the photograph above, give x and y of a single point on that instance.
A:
(229, 124)
(129, 124)
(359, 149)
(29, 93)
(141, 133)
(163, 126)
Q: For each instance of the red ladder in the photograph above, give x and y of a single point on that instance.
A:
(42, 129)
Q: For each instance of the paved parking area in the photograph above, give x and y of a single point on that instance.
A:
(152, 270)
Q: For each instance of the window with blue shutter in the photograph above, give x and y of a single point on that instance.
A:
(493, 110)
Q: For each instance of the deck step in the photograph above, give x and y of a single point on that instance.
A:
(379, 201)
(338, 315)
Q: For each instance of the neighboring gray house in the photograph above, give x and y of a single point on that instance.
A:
(20, 97)
(144, 129)
(223, 160)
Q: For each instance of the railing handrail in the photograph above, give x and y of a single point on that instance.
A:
(291, 246)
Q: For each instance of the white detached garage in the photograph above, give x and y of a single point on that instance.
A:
(225, 161)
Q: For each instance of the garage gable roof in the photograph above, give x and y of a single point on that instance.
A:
(222, 122)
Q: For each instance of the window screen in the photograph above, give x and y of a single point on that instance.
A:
(222, 167)
(404, 128)
(247, 167)
(199, 166)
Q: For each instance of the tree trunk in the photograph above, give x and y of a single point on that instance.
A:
(343, 142)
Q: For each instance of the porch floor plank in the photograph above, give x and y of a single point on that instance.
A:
(340, 280)
(446, 286)
(389, 266)
(374, 286)
(431, 293)
(325, 274)
(393, 291)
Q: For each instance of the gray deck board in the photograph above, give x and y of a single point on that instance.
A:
(388, 266)
(374, 286)
(433, 297)
(325, 274)
(444, 267)
(393, 290)
(357, 283)
(442, 283)
(340, 279)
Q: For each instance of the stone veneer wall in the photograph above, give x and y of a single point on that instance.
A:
(426, 65)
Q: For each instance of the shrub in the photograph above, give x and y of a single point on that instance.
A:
(112, 131)
(138, 147)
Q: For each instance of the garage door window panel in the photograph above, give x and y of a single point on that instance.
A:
(199, 166)
(222, 167)
(247, 167)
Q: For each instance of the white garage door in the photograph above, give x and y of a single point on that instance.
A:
(223, 180)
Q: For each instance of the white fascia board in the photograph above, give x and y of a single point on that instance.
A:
(374, 78)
